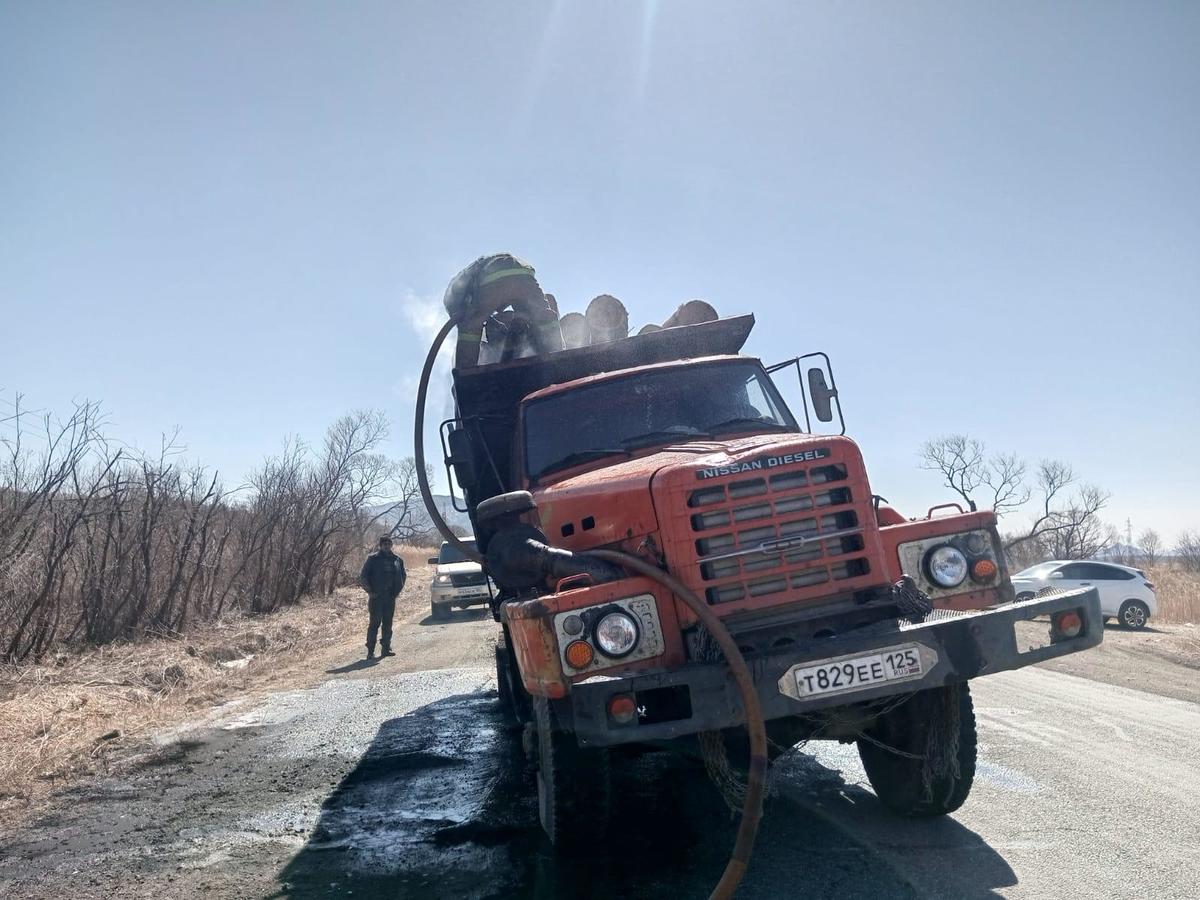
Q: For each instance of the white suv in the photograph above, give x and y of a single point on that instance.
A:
(1124, 591)
(458, 581)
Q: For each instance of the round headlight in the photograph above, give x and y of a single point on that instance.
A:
(617, 634)
(946, 566)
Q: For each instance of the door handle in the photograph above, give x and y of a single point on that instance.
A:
(1086, 583)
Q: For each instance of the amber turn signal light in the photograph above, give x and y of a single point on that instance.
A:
(983, 570)
(579, 654)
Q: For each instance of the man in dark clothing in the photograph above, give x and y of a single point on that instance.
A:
(383, 579)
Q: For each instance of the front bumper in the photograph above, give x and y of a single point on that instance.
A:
(462, 597)
(966, 645)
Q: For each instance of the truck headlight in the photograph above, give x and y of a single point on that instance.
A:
(946, 565)
(442, 579)
(617, 634)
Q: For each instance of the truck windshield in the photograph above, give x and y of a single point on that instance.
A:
(659, 406)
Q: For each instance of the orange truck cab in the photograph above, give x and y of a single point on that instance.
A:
(673, 447)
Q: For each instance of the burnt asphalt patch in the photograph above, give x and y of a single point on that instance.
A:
(403, 786)
(407, 785)
(442, 805)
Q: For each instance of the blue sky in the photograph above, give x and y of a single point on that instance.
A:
(228, 217)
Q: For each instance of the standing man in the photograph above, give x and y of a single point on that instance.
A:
(383, 578)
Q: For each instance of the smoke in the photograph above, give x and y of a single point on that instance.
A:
(424, 316)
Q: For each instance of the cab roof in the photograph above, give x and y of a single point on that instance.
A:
(552, 389)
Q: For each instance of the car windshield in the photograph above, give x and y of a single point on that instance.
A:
(644, 409)
(1039, 571)
(451, 554)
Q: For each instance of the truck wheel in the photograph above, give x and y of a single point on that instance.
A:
(437, 611)
(920, 756)
(514, 699)
(574, 789)
(1134, 615)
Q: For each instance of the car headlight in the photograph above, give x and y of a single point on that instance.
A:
(617, 634)
(442, 579)
(947, 566)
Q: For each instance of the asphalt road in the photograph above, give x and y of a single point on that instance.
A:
(386, 783)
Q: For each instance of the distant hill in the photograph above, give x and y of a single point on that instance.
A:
(452, 516)
(445, 506)
(1121, 551)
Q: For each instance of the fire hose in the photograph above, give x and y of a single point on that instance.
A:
(739, 858)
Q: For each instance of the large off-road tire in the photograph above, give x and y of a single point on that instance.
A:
(934, 732)
(514, 699)
(1134, 614)
(574, 787)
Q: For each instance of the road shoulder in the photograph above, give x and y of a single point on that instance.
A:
(1162, 660)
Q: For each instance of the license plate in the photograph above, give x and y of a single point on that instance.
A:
(857, 673)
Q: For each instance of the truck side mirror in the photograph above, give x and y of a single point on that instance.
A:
(433, 560)
(822, 395)
(462, 458)
(822, 388)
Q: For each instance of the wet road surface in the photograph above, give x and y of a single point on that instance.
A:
(404, 785)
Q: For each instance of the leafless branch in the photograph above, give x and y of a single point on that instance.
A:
(99, 541)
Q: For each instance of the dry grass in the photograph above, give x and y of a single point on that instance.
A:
(1178, 593)
(78, 714)
(414, 557)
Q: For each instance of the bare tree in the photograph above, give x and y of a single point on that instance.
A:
(406, 513)
(100, 542)
(1150, 545)
(43, 502)
(997, 481)
(1075, 531)
(1066, 523)
(1187, 550)
(1070, 525)
(1005, 478)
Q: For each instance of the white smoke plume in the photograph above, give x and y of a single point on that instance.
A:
(425, 315)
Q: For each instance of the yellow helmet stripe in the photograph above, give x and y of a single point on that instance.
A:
(504, 273)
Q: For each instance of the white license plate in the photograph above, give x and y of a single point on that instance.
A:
(858, 673)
